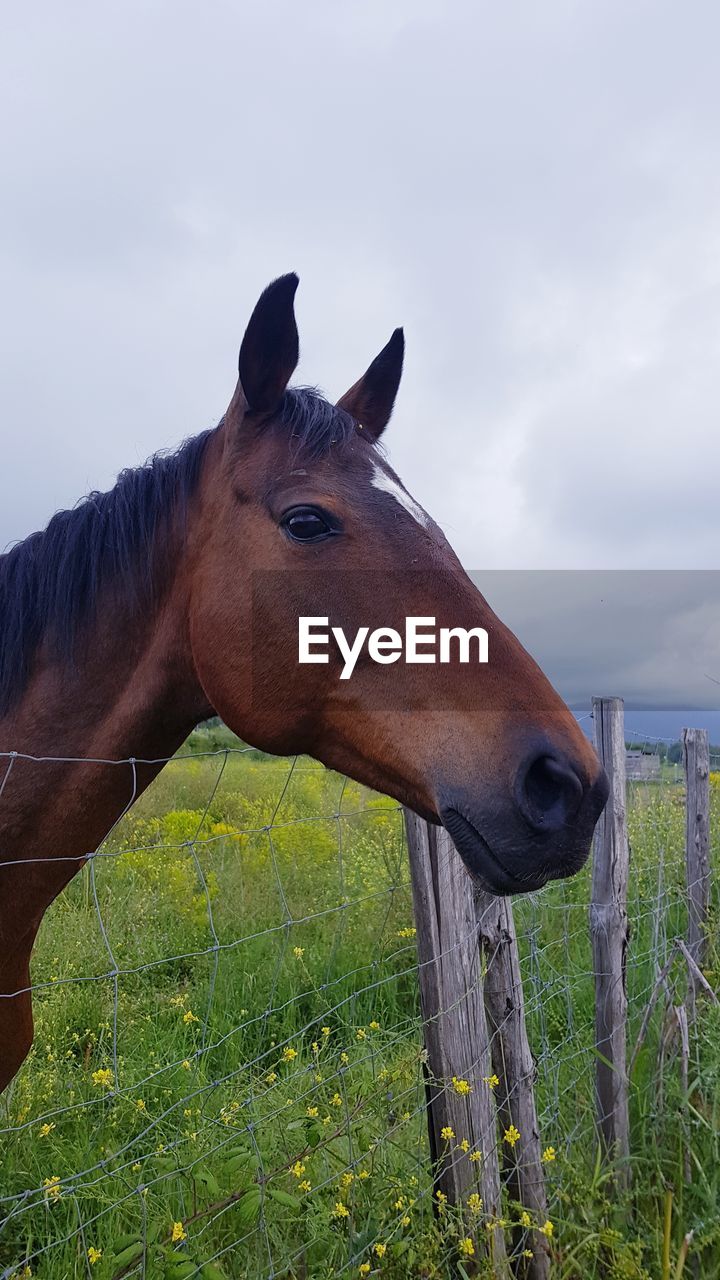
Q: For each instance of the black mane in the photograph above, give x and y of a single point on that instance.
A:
(51, 582)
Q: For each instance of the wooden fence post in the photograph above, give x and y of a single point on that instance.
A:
(455, 1030)
(514, 1067)
(609, 932)
(696, 760)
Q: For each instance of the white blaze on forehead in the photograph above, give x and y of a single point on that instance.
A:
(388, 484)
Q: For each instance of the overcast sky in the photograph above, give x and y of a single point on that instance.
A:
(533, 190)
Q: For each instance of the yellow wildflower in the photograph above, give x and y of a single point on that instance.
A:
(344, 1059)
(547, 1228)
(361, 1034)
(525, 1219)
(94, 1255)
(475, 1203)
(447, 1133)
(289, 1054)
(363, 1174)
(493, 1081)
(178, 1232)
(325, 1031)
(466, 1247)
(374, 1026)
(406, 933)
(103, 1078)
(462, 1087)
(380, 1250)
(53, 1190)
(271, 1077)
(186, 1064)
(511, 1135)
(363, 1268)
(298, 952)
(189, 1017)
(548, 1155)
(298, 1169)
(140, 1104)
(399, 1203)
(336, 1100)
(341, 1210)
(475, 1156)
(347, 1179)
(312, 1113)
(304, 1185)
(46, 1129)
(464, 1145)
(441, 1201)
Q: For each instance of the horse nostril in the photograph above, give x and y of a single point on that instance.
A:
(549, 793)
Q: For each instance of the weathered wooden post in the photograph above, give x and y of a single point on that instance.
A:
(609, 933)
(454, 1025)
(696, 761)
(514, 1067)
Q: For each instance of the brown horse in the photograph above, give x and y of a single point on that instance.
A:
(176, 596)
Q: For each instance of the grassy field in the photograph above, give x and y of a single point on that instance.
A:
(227, 1072)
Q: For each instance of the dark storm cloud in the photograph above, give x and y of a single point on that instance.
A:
(652, 637)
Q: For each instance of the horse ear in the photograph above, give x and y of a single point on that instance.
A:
(270, 348)
(371, 399)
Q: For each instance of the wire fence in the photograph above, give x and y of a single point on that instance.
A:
(229, 1076)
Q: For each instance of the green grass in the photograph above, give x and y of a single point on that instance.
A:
(244, 906)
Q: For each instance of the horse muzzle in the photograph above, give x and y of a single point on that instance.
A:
(539, 830)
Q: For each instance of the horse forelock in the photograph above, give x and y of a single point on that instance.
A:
(314, 424)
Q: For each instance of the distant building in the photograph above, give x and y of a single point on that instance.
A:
(641, 766)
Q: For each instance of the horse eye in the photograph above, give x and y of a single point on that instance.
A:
(306, 524)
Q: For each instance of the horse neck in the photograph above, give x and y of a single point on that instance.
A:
(131, 694)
